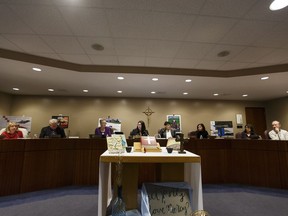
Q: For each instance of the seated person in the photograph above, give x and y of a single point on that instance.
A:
(167, 132)
(53, 130)
(201, 132)
(140, 130)
(249, 133)
(277, 133)
(11, 131)
(103, 131)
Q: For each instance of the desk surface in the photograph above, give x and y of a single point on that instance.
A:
(151, 157)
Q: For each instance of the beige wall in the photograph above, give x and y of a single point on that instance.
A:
(85, 111)
(277, 110)
(5, 103)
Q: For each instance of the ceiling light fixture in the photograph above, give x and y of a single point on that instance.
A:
(97, 47)
(245, 95)
(155, 79)
(188, 80)
(120, 78)
(264, 78)
(185, 93)
(16, 89)
(153, 92)
(119, 92)
(278, 4)
(51, 90)
(216, 94)
(85, 90)
(36, 69)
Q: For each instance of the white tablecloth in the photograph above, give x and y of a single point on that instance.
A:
(192, 173)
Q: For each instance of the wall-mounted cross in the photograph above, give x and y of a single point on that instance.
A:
(148, 112)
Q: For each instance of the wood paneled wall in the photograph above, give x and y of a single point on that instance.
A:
(37, 164)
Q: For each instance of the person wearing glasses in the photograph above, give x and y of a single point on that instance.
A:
(277, 133)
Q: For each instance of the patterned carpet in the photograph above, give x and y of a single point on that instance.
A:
(219, 200)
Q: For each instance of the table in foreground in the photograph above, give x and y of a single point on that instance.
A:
(192, 174)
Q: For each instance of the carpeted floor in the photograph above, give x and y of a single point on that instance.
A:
(219, 200)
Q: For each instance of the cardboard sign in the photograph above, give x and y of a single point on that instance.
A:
(172, 198)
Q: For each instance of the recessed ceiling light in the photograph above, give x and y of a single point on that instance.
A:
(185, 93)
(51, 90)
(155, 79)
(16, 89)
(120, 78)
(188, 80)
(264, 78)
(223, 53)
(119, 92)
(287, 92)
(278, 4)
(97, 47)
(36, 69)
(85, 90)
(153, 92)
(216, 94)
(245, 95)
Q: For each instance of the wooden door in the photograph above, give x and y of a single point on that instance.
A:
(257, 117)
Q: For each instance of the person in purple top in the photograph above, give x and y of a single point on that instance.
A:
(103, 131)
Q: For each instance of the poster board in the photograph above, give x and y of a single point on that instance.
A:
(63, 121)
(116, 144)
(175, 121)
(221, 128)
(23, 121)
(113, 123)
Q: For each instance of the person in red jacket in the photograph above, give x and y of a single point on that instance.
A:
(12, 131)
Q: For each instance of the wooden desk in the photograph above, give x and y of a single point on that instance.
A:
(192, 175)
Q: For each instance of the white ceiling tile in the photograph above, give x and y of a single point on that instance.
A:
(15, 25)
(276, 38)
(78, 59)
(159, 48)
(29, 43)
(184, 63)
(233, 66)
(127, 23)
(42, 19)
(247, 31)
(168, 26)
(183, 6)
(194, 50)
(158, 62)
(130, 47)
(209, 65)
(86, 21)
(126, 4)
(104, 60)
(131, 61)
(63, 45)
(261, 11)
(6, 44)
(227, 8)
(107, 43)
(209, 29)
(213, 54)
(278, 56)
(77, 3)
(251, 54)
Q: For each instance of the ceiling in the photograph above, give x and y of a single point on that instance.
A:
(143, 39)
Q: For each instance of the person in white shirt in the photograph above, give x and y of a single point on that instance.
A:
(277, 133)
(167, 132)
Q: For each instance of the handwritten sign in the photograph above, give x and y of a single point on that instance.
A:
(174, 198)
